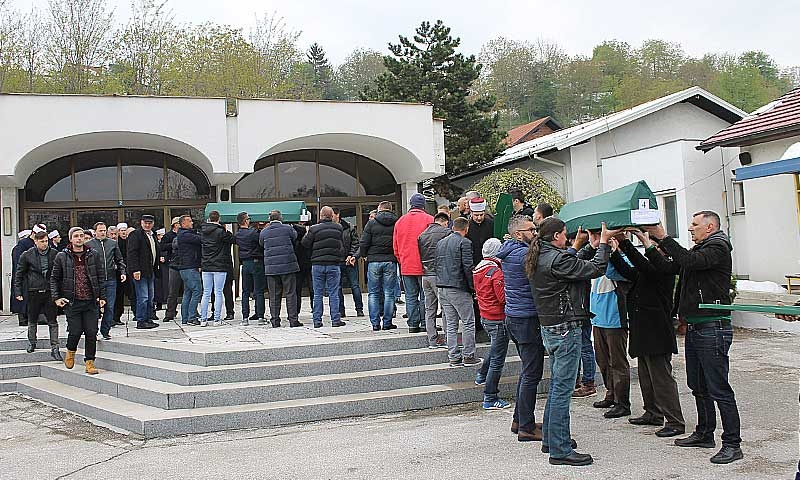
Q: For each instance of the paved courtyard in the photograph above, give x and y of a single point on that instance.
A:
(41, 442)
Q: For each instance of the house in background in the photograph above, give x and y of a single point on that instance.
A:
(529, 131)
(766, 228)
(654, 141)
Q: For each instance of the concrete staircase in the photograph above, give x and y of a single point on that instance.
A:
(156, 389)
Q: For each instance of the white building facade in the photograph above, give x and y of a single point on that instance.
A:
(74, 159)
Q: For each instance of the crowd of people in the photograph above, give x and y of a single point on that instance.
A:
(583, 300)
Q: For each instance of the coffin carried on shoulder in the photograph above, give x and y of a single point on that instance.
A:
(628, 206)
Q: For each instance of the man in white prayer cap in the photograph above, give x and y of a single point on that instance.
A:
(55, 239)
(20, 307)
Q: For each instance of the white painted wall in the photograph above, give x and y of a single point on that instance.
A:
(584, 173)
(772, 237)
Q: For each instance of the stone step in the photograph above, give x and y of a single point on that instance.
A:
(19, 370)
(169, 396)
(42, 343)
(186, 374)
(152, 422)
(211, 355)
(11, 357)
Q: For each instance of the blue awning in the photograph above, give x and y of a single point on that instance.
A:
(779, 167)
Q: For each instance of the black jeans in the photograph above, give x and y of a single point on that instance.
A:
(40, 302)
(82, 320)
(707, 366)
(175, 289)
(526, 335)
(303, 279)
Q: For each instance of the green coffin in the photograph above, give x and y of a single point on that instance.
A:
(502, 214)
(258, 211)
(627, 206)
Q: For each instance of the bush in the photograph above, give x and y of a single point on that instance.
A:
(533, 185)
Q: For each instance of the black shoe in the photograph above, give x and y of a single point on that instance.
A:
(56, 354)
(106, 336)
(154, 317)
(228, 317)
(405, 315)
(727, 454)
(646, 419)
(275, 323)
(617, 412)
(194, 322)
(338, 324)
(574, 459)
(669, 432)
(168, 319)
(695, 440)
(295, 324)
(150, 322)
(342, 315)
(399, 301)
(415, 330)
(376, 328)
(317, 325)
(604, 403)
(253, 317)
(572, 443)
(146, 326)
(389, 326)
(31, 348)
(360, 313)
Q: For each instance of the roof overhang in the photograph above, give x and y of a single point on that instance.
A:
(778, 167)
(754, 139)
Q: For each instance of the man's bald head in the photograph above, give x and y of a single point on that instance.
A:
(326, 213)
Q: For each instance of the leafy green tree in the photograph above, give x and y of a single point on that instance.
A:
(324, 81)
(358, 70)
(427, 68)
(533, 185)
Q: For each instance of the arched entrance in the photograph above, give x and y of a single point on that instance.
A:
(113, 185)
(352, 182)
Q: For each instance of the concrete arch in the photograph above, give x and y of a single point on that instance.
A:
(403, 164)
(86, 142)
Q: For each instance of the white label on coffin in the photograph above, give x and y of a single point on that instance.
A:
(644, 217)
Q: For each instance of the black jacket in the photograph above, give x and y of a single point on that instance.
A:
(302, 254)
(62, 278)
(454, 263)
(249, 247)
(649, 303)
(166, 247)
(325, 242)
(140, 256)
(349, 238)
(376, 241)
(560, 286)
(30, 274)
(526, 210)
(705, 274)
(110, 256)
(478, 234)
(278, 240)
(216, 242)
(427, 246)
(188, 253)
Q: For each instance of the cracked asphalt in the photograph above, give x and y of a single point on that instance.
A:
(41, 442)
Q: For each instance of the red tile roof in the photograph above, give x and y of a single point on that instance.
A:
(529, 131)
(779, 119)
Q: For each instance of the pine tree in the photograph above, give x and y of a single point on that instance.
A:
(427, 69)
(323, 73)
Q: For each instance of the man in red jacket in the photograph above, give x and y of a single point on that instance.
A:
(404, 241)
(490, 292)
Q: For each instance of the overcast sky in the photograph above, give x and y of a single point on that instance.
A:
(700, 26)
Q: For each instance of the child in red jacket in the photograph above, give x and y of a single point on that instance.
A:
(490, 291)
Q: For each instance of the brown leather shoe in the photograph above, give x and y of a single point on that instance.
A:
(535, 436)
(514, 427)
(90, 367)
(69, 361)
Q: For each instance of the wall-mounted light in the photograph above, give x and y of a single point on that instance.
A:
(6, 220)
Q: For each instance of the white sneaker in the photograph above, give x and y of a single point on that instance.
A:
(217, 323)
(203, 323)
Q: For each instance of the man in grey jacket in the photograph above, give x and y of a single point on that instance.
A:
(427, 253)
(110, 263)
(454, 279)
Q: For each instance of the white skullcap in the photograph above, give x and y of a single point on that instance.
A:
(477, 204)
(39, 227)
(24, 233)
(122, 226)
(53, 234)
(161, 231)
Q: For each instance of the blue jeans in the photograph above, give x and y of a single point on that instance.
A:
(707, 366)
(414, 298)
(213, 281)
(253, 281)
(349, 274)
(326, 278)
(526, 335)
(564, 349)
(145, 291)
(492, 367)
(382, 280)
(192, 292)
(587, 355)
(108, 310)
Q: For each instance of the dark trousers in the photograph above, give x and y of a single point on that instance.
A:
(253, 282)
(227, 292)
(175, 289)
(303, 279)
(659, 390)
(707, 366)
(280, 286)
(40, 302)
(82, 320)
(119, 301)
(611, 352)
(349, 276)
(526, 334)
